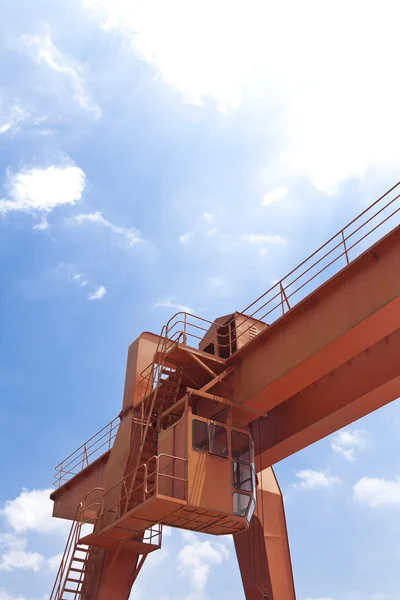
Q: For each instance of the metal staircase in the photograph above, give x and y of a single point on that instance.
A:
(161, 384)
(80, 570)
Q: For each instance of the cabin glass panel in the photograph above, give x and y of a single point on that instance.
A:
(200, 435)
(218, 440)
(242, 477)
(240, 504)
(240, 446)
(251, 509)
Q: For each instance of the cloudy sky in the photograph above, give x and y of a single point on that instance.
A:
(182, 155)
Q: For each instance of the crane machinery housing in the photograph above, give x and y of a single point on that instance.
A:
(210, 407)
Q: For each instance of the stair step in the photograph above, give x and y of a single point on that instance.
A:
(83, 560)
(81, 570)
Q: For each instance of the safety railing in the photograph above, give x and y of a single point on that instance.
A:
(161, 480)
(126, 493)
(67, 558)
(95, 447)
(103, 510)
(337, 253)
(89, 512)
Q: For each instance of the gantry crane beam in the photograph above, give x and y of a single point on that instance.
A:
(343, 364)
(355, 389)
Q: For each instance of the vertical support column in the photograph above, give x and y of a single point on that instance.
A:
(120, 571)
(263, 550)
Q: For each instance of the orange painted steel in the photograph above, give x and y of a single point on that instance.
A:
(198, 423)
(263, 550)
(83, 456)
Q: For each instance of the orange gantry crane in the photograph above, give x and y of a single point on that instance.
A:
(209, 407)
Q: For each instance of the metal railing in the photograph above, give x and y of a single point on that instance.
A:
(120, 506)
(337, 253)
(159, 473)
(152, 535)
(88, 514)
(98, 513)
(67, 558)
(95, 447)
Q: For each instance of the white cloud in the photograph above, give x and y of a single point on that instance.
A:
(132, 236)
(204, 226)
(98, 294)
(196, 558)
(5, 596)
(377, 492)
(12, 121)
(137, 593)
(324, 598)
(32, 511)
(166, 531)
(310, 479)
(348, 443)
(41, 190)
(277, 194)
(262, 241)
(47, 53)
(43, 225)
(156, 558)
(329, 124)
(13, 554)
(259, 238)
(184, 238)
(80, 278)
(216, 282)
(175, 306)
(54, 561)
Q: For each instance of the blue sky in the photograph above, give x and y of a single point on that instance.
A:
(157, 155)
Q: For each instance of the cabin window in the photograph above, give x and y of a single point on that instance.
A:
(240, 446)
(218, 440)
(240, 504)
(200, 435)
(251, 510)
(242, 477)
(254, 477)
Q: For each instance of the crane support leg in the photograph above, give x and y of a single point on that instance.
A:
(263, 550)
(120, 571)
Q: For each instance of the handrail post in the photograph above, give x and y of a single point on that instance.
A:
(345, 247)
(185, 329)
(284, 298)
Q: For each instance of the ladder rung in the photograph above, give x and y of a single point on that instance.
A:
(79, 592)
